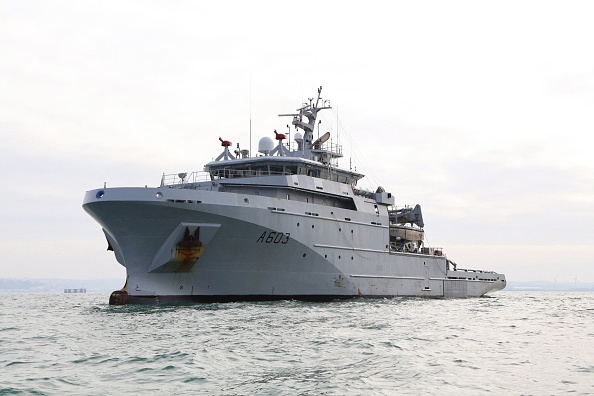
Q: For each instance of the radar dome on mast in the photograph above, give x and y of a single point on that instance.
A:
(265, 145)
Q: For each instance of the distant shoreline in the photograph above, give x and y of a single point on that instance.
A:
(31, 285)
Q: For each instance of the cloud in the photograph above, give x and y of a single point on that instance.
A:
(581, 84)
(480, 113)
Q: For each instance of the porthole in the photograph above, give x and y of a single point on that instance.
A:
(159, 194)
(303, 254)
(246, 201)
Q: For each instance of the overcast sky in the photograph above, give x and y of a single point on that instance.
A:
(482, 112)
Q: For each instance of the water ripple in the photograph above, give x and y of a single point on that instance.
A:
(534, 343)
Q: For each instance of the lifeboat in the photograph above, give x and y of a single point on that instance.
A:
(407, 233)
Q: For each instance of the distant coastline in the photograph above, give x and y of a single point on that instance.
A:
(32, 285)
(549, 286)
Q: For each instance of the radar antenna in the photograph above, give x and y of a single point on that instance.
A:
(318, 143)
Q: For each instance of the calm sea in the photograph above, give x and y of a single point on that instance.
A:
(512, 343)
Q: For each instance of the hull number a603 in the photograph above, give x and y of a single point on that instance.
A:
(274, 237)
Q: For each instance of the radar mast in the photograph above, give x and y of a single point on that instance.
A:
(310, 111)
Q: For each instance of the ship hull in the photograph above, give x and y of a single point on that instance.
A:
(207, 246)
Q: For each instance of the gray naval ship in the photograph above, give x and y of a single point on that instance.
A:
(288, 223)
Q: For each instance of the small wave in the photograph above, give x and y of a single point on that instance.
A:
(16, 363)
(391, 344)
(588, 369)
(21, 391)
(96, 360)
(194, 379)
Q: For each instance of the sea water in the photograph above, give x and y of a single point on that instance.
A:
(511, 343)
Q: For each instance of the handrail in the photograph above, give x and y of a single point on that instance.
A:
(176, 179)
(238, 173)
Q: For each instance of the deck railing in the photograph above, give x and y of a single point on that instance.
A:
(179, 180)
(184, 180)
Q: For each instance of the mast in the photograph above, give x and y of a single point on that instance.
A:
(309, 111)
(250, 115)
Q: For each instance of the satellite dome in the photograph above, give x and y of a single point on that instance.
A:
(265, 145)
(298, 137)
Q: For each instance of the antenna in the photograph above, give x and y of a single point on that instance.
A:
(289, 140)
(351, 140)
(337, 129)
(250, 114)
